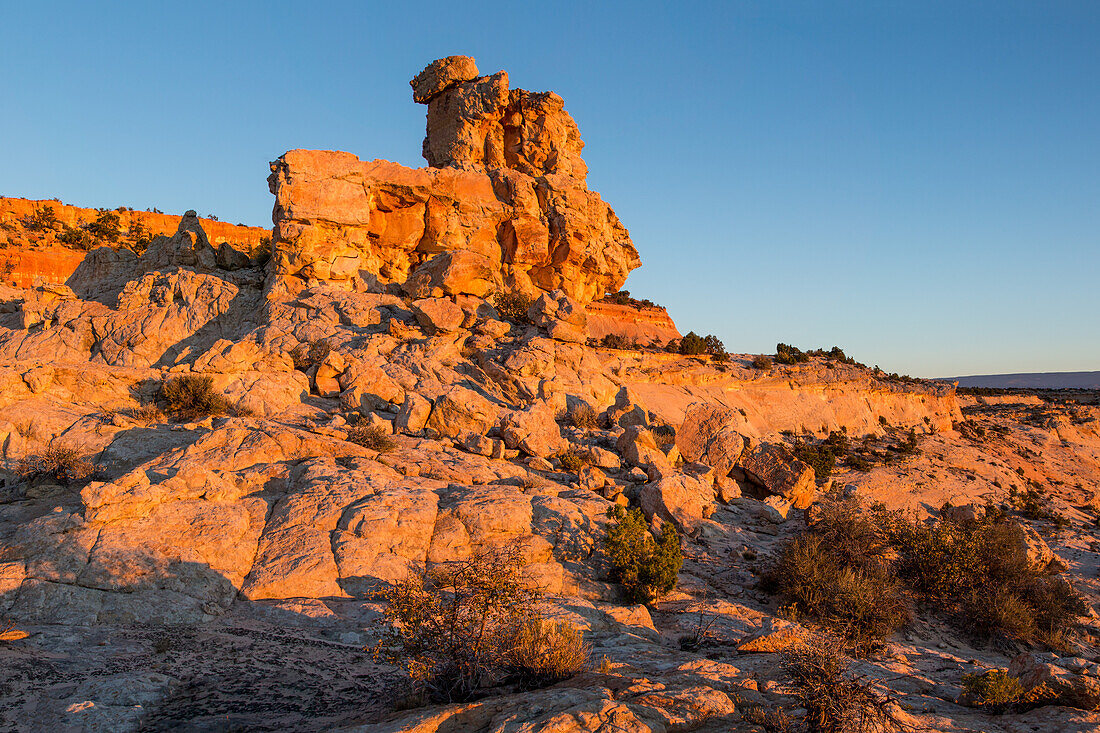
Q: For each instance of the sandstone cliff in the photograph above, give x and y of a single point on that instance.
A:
(502, 205)
(33, 255)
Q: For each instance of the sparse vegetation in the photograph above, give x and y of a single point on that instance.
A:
(834, 700)
(106, 227)
(761, 361)
(461, 626)
(65, 464)
(144, 413)
(374, 437)
(583, 416)
(572, 460)
(192, 396)
(43, 219)
(623, 298)
(692, 344)
(512, 305)
(854, 571)
(646, 567)
(310, 354)
(616, 341)
(995, 689)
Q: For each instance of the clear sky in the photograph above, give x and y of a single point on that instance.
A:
(917, 182)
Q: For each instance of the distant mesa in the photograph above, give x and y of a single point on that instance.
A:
(503, 203)
(1033, 380)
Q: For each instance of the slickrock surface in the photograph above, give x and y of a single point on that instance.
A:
(223, 573)
(503, 203)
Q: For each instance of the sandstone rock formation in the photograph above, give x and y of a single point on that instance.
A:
(502, 205)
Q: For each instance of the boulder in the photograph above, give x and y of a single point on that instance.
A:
(639, 448)
(438, 315)
(707, 436)
(563, 318)
(440, 74)
(1059, 680)
(533, 431)
(628, 409)
(774, 509)
(460, 410)
(414, 414)
(773, 467)
(680, 498)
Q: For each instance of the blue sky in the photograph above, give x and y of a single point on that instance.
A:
(917, 182)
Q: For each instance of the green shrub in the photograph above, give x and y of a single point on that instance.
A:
(374, 437)
(787, 354)
(645, 567)
(192, 396)
(996, 689)
(693, 344)
(512, 305)
(65, 464)
(105, 227)
(615, 341)
(42, 220)
(76, 238)
(623, 298)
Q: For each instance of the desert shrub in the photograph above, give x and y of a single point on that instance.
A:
(663, 435)
(787, 354)
(63, 463)
(761, 361)
(464, 625)
(572, 460)
(996, 689)
(261, 253)
(512, 305)
(42, 220)
(105, 227)
(979, 573)
(76, 238)
(193, 396)
(617, 341)
(310, 354)
(374, 437)
(583, 416)
(692, 344)
(140, 237)
(835, 701)
(623, 298)
(144, 413)
(646, 567)
(542, 652)
(857, 598)
(715, 347)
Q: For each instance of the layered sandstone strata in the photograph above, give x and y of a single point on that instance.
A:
(502, 205)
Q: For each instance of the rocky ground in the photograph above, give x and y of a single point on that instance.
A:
(222, 571)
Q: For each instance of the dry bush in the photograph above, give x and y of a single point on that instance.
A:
(542, 652)
(663, 435)
(192, 396)
(512, 306)
(144, 414)
(62, 463)
(852, 595)
(835, 701)
(761, 361)
(310, 354)
(465, 625)
(646, 567)
(855, 571)
(572, 460)
(374, 437)
(583, 416)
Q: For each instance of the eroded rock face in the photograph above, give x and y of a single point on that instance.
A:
(503, 205)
